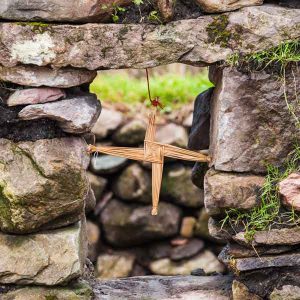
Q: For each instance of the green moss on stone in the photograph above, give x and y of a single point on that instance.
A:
(36, 27)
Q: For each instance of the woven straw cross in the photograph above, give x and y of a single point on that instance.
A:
(154, 153)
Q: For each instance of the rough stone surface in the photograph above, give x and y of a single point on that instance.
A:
(178, 188)
(107, 164)
(199, 135)
(90, 201)
(206, 260)
(127, 225)
(165, 287)
(191, 248)
(284, 236)
(287, 292)
(98, 184)
(78, 291)
(217, 232)
(75, 115)
(43, 76)
(187, 227)
(35, 96)
(114, 265)
(250, 29)
(198, 173)
(289, 190)
(55, 10)
(108, 121)
(132, 133)
(261, 126)
(43, 183)
(231, 190)
(133, 184)
(48, 258)
(172, 134)
(166, 9)
(201, 225)
(241, 292)
(213, 6)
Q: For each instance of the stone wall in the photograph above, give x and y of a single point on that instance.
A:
(49, 53)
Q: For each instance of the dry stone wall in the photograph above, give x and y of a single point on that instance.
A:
(49, 53)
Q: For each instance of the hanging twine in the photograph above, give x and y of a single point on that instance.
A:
(156, 102)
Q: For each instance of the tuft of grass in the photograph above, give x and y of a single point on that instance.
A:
(173, 90)
(270, 211)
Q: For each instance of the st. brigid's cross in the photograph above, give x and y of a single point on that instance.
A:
(154, 153)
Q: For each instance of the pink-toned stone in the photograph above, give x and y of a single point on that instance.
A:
(35, 96)
(289, 190)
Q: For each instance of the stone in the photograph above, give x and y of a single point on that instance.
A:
(165, 287)
(107, 164)
(35, 96)
(289, 190)
(43, 184)
(133, 184)
(75, 115)
(172, 134)
(290, 3)
(159, 250)
(240, 291)
(79, 291)
(93, 238)
(90, 201)
(131, 134)
(283, 236)
(289, 292)
(193, 247)
(275, 261)
(166, 9)
(214, 6)
(129, 225)
(206, 260)
(198, 172)
(201, 225)
(56, 11)
(187, 227)
(114, 265)
(89, 46)
(107, 123)
(43, 76)
(46, 258)
(224, 190)
(199, 135)
(178, 188)
(262, 128)
(98, 184)
(220, 234)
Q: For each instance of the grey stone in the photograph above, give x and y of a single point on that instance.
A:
(206, 260)
(79, 291)
(172, 134)
(108, 122)
(283, 236)
(261, 126)
(131, 134)
(287, 292)
(90, 201)
(98, 184)
(219, 233)
(90, 46)
(107, 164)
(224, 190)
(193, 247)
(198, 173)
(114, 265)
(133, 184)
(199, 135)
(75, 115)
(43, 183)
(213, 6)
(93, 238)
(48, 258)
(43, 76)
(178, 188)
(240, 291)
(165, 287)
(55, 10)
(201, 226)
(35, 96)
(128, 225)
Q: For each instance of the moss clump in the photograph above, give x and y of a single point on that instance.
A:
(218, 32)
(36, 27)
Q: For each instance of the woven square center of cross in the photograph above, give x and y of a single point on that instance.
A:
(152, 152)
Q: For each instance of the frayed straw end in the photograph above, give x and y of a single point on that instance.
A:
(154, 211)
